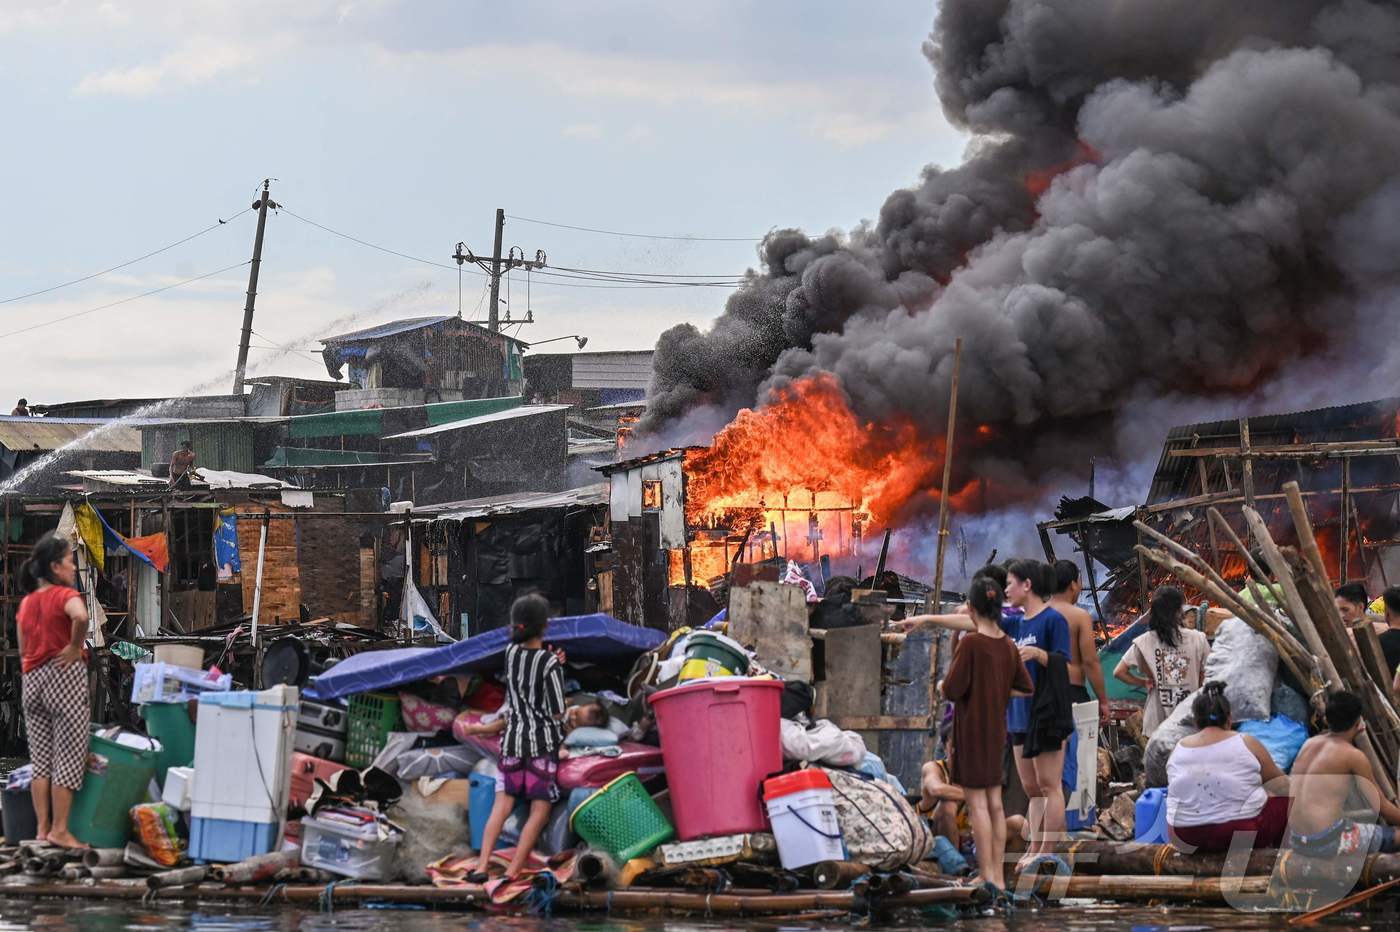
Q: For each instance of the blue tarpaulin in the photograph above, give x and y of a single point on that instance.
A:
(591, 638)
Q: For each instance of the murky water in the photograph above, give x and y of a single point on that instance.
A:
(18, 914)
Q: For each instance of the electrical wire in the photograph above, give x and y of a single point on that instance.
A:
(135, 297)
(572, 278)
(87, 278)
(364, 242)
(700, 239)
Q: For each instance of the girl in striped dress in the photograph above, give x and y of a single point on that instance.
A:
(534, 678)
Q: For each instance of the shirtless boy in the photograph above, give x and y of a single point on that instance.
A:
(1325, 773)
(1084, 665)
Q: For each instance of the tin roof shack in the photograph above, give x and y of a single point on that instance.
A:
(518, 449)
(320, 558)
(479, 555)
(282, 396)
(89, 443)
(423, 359)
(1346, 460)
(675, 549)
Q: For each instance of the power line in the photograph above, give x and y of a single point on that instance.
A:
(363, 242)
(699, 239)
(135, 297)
(86, 278)
(619, 283)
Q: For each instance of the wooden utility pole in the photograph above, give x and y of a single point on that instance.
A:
(947, 476)
(498, 265)
(262, 204)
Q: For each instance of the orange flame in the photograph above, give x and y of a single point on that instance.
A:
(806, 452)
(1038, 182)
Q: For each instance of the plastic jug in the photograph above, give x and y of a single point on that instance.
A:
(1150, 816)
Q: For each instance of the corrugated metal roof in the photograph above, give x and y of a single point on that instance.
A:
(660, 456)
(619, 406)
(121, 477)
(395, 327)
(43, 434)
(1361, 421)
(612, 370)
(511, 414)
(513, 503)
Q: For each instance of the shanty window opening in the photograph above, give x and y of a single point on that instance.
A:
(191, 547)
(651, 495)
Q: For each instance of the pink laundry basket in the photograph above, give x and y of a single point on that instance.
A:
(719, 739)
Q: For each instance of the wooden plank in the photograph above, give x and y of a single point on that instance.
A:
(852, 661)
(772, 619)
(907, 682)
(1368, 648)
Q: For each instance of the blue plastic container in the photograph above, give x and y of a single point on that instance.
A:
(1150, 816)
(224, 841)
(481, 796)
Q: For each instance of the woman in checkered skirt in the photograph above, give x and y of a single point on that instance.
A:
(52, 624)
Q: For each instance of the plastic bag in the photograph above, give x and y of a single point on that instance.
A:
(1281, 736)
(822, 743)
(1248, 665)
(154, 824)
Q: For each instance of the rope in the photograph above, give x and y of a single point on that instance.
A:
(271, 894)
(1159, 860)
(326, 901)
(543, 894)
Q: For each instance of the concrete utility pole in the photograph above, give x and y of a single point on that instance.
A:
(262, 204)
(498, 265)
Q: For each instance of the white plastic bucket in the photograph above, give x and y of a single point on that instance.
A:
(804, 823)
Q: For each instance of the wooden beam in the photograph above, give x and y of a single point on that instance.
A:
(1296, 450)
(1345, 535)
(1231, 498)
(1248, 482)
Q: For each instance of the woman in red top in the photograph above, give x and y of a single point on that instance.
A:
(52, 624)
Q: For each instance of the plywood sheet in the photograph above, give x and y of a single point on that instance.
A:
(772, 619)
(852, 683)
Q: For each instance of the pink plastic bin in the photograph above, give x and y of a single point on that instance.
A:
(719, 739)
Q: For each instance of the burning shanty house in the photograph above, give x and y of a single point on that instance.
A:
(1345, 459)
(679, 527)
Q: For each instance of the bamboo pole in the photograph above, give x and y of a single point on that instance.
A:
(828, 875)
(103, 857)
(947, 479)
(1345, 535)
(1288, 650)
(177, 878)
(1283, 572)
(1256, 614)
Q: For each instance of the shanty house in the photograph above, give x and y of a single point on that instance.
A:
(422, 360)
(89, 443)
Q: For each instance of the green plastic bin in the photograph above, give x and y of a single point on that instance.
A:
(116, 779)
(622, 819)
(372, 717)
(169, 723)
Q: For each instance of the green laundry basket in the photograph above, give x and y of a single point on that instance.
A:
(116, 779)
(372, 717)
(169, 723)
(622, 819)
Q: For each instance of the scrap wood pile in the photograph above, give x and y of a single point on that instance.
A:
(1317, 650)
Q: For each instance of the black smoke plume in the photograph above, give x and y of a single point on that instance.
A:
(1163, 202)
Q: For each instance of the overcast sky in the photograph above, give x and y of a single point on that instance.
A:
(131, 125)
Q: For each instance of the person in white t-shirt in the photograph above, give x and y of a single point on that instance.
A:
(1170, 659)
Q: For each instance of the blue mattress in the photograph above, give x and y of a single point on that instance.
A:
(591, 638)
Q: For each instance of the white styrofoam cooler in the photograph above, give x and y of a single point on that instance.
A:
(243, 755)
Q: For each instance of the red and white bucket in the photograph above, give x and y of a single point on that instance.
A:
(802, 810)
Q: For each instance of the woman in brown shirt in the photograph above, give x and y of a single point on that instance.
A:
(985, 673)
